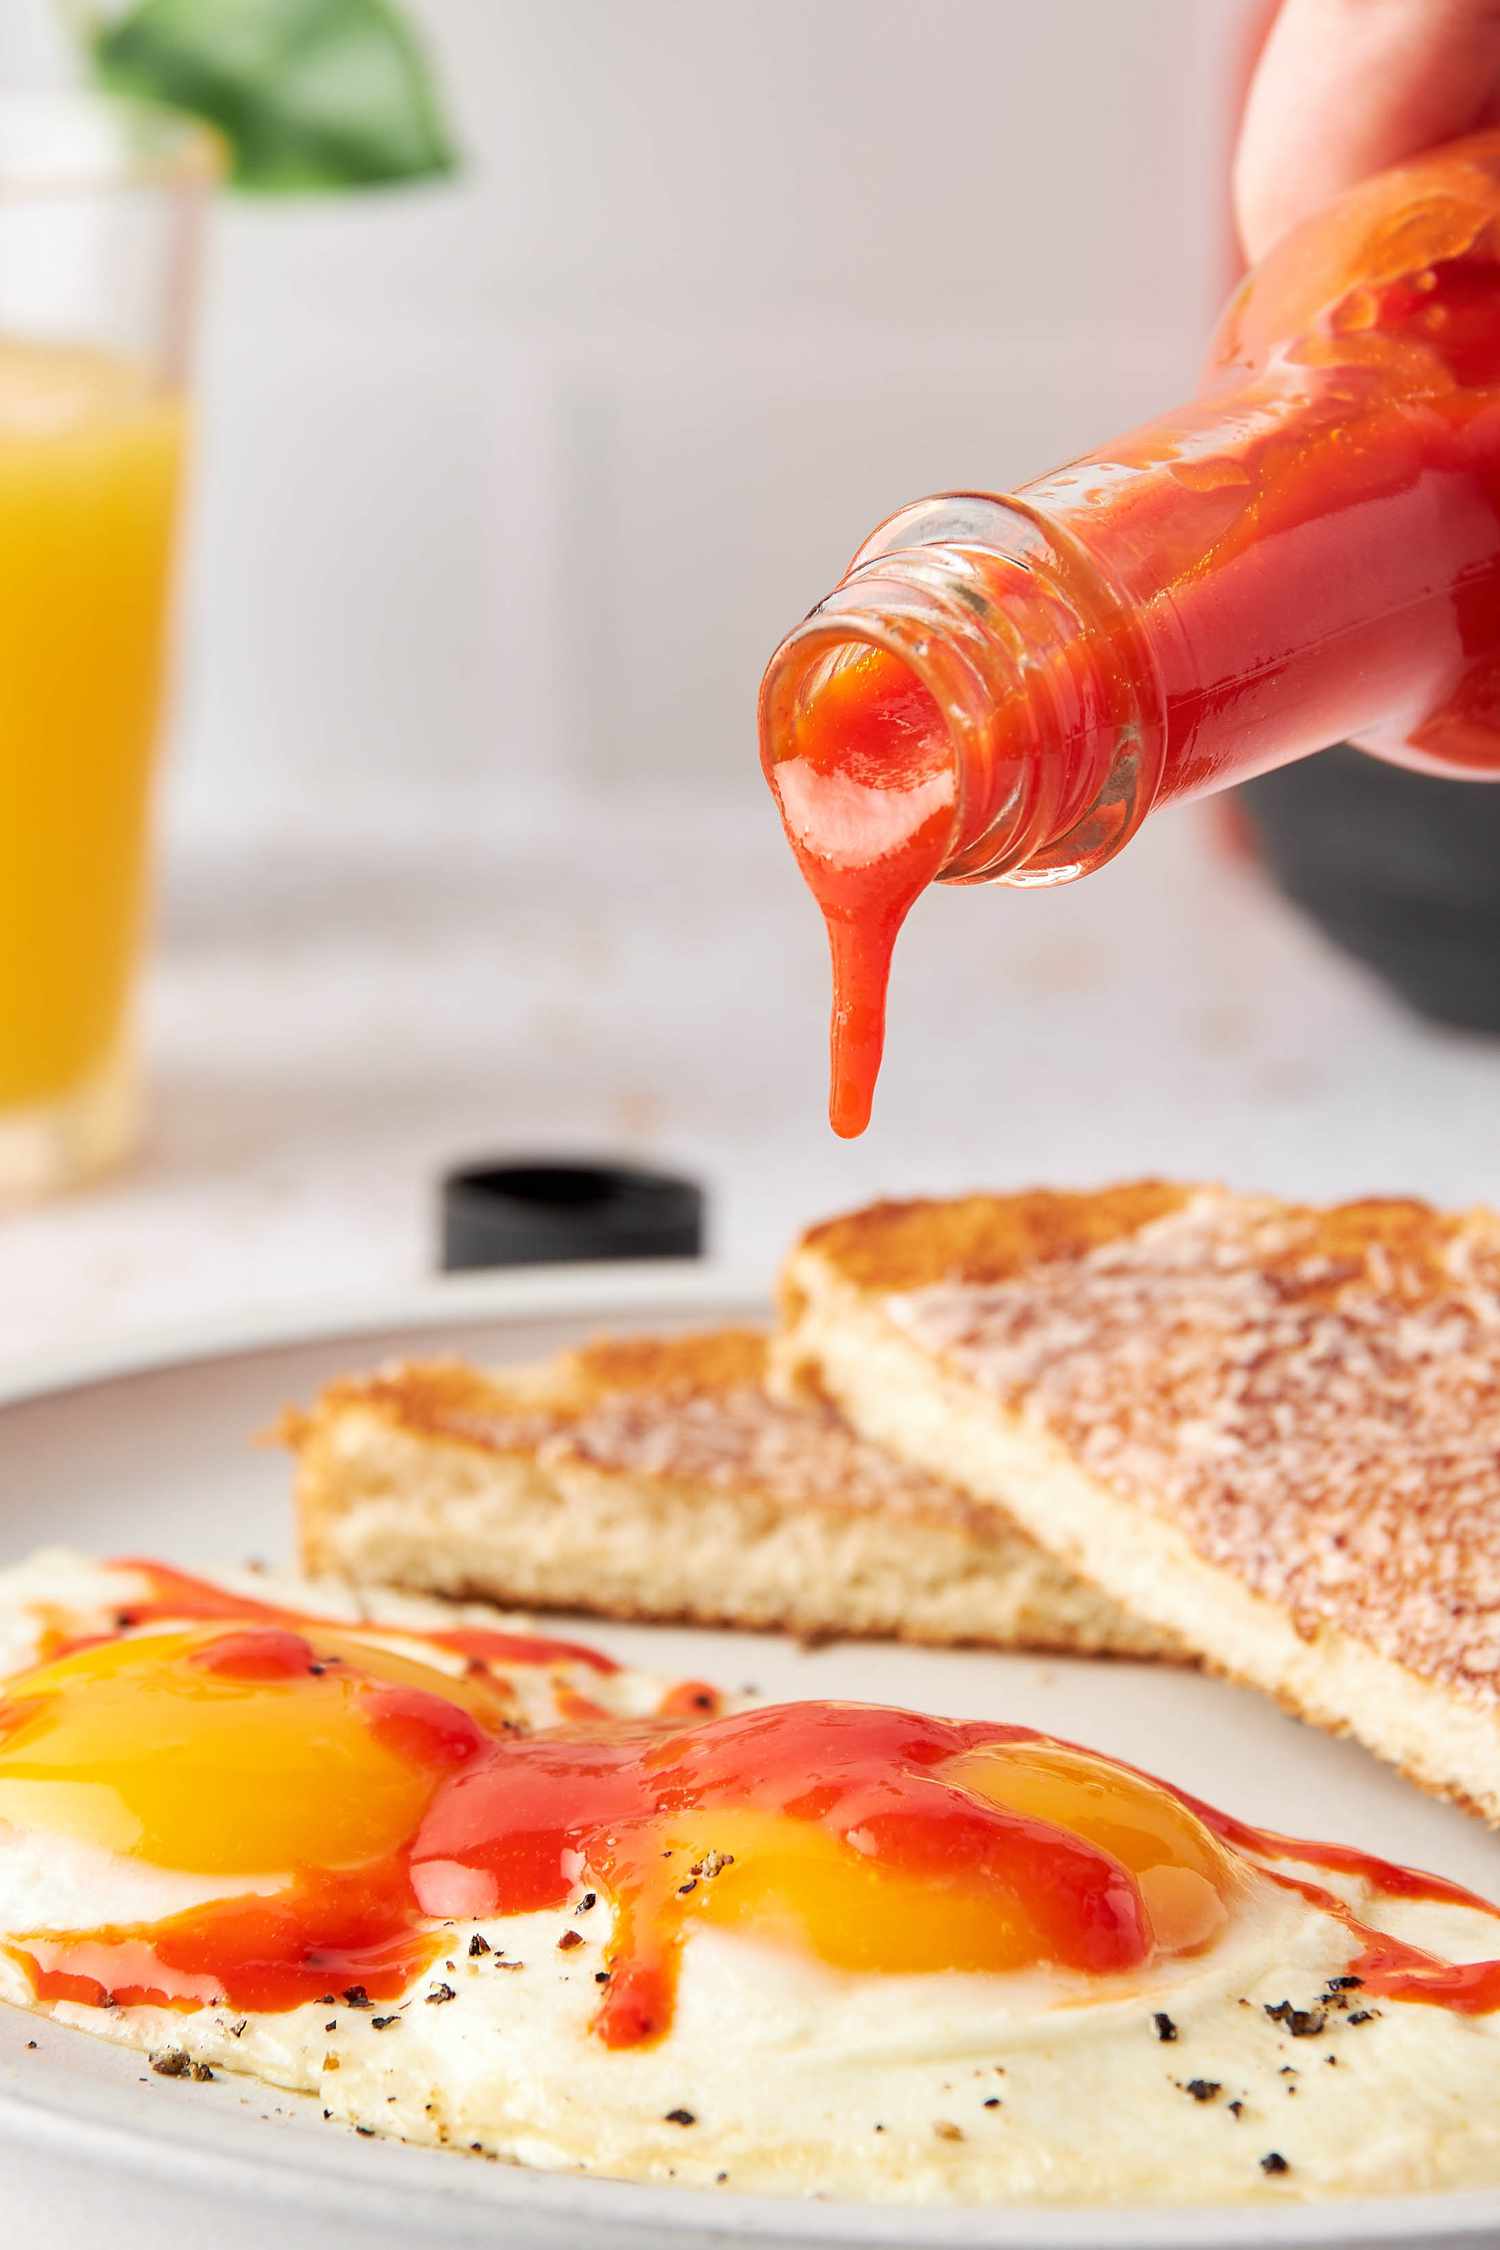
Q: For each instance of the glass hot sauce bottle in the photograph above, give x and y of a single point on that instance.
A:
(1002, 687)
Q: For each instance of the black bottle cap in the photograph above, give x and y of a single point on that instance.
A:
(537, 1212)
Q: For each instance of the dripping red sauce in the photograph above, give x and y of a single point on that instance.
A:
(1309, 549)
(868, 797)
(877, 1839)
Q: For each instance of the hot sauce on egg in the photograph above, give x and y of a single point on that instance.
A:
(354, 1803)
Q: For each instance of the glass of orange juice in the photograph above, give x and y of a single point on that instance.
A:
(101, 205)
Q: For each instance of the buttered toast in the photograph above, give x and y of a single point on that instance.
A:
(655, 1478)
(1270, 1428)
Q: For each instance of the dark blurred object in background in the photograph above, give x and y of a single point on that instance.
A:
(534, 1212)
(1400, 870)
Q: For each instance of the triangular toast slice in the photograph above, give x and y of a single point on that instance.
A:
(654, 1477)
(1271, 1428)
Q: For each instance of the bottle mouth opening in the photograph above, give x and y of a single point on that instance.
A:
(859, 751)
(876, 716)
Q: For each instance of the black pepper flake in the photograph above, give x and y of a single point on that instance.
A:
(332, 2024)
(568, 1940)
(1204, 2089)
(601, 1976)
(478, 1945)
(31, 2043)
(589, 1898)
(1302, 2023)
(440, 1993)
(202, 2073)
(1166, 2030)
(365, 2132)
(124, 1619)
(880, 2128)
(171, 2062)
(238, 2030)
(1236, 2109)
(720, 2178)
(679, 2117)
(355, 1996)
(383, 2023)
(992, 2101)
(1274, 2162)
(1363, 2015)
(690, 1885)
(1345, 1984)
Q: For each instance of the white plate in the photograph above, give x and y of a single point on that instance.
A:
(152, 1453)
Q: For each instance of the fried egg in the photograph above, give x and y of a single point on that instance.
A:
(471, 1886)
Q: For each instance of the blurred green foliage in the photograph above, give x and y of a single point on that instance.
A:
(309, 94)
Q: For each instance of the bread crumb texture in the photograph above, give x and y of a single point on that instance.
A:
(1311, 1396)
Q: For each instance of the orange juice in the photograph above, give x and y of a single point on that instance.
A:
(90, 456)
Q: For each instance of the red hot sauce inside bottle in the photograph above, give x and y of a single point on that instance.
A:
(1001, 688)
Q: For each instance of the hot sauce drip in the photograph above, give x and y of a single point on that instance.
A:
(1308, 551)
(867, 791)
(348, 1805)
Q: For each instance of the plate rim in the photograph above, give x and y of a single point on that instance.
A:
(582, 1291)
(314, 2177)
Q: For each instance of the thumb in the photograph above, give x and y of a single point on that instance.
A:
(1346, 87)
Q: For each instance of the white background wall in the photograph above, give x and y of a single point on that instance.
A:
(531, 471)
(523, 477)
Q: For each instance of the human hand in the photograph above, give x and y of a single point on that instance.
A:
(1346, 87)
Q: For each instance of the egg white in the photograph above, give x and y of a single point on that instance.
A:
(801, 2079)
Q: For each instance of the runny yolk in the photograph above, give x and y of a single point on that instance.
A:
(868, 796)
(247, 1752)
(349, 1805)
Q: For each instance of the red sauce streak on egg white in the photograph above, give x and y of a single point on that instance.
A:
(1387, 1967)
(876, 1839)
(177, 1598)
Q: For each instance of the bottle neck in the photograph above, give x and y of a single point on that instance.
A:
(1049, 702)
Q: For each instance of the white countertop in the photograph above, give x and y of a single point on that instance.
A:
(348, 997)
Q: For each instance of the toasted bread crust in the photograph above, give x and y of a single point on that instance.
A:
(1273, 1426)
(655, 1477)
(982, 1238)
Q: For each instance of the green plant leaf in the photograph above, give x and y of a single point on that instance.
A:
(310, 94)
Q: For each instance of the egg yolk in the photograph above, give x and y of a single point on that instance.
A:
(1185, 1877)
(877, 1840)
(350, 1803)
(241, 1753)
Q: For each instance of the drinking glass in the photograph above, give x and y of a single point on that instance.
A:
(101, 208)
